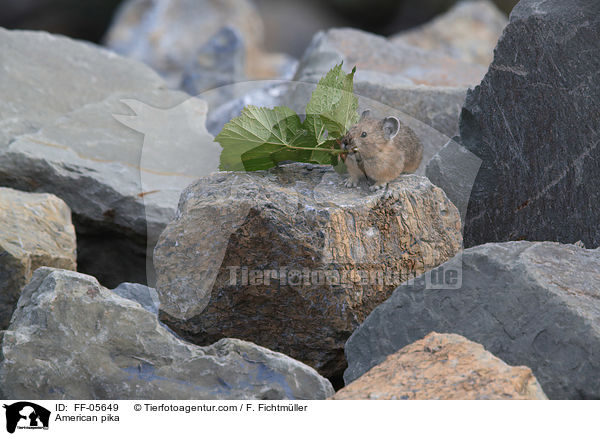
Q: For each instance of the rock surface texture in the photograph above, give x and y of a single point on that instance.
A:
(534, 123)
(443, 367)
(288, 258)
(35, 231)
(469, 31)
(70, 338)
(533, 304)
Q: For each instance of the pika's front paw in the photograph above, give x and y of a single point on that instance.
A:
(377, 186)
(351, 183)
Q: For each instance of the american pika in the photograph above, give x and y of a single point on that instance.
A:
(381, 150)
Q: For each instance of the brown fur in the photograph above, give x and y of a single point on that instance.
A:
(377, 156)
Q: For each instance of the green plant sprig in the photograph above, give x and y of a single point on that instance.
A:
(260, 138)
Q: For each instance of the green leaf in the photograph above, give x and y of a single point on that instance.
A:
(266, 156)
(322, 155)
(257, 126)
(332, 105)
(261, 138)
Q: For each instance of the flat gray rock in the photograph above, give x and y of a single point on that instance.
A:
(529, 303)
(70, 338)
(534, 123)
(44, 76)
(104, 134)
(400, 62)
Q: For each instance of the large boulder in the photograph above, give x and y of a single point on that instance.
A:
(469, 31)
(293, 260)
(534, 122)
(529, 303)
(379, 57)
(70, 338)
(35, 231)
(443, 367)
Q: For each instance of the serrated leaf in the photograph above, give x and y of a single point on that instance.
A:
(257, 126)
(333, 106)
(260, 138)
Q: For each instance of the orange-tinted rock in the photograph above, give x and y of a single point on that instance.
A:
(444, 367)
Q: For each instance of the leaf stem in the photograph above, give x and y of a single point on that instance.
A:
(329, 150)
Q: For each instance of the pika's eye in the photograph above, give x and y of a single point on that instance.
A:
(363, 135)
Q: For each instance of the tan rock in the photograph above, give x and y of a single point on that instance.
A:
(444, 367)
(293, 260)
(35, 231)
(467, 32)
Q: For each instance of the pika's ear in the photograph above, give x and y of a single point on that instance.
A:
(365, 114)
(391, 125)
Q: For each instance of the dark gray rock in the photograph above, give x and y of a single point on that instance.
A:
(533, 304)
(535, 123)
(71, 338)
